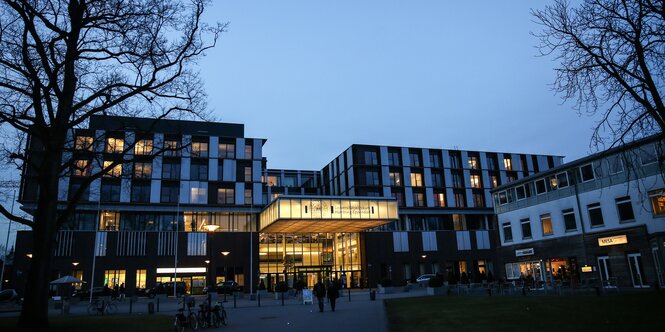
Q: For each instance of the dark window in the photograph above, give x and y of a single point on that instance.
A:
(625, 209)
(437, 179)
(418, 199)
(171, 148)
(141, 193)
(458, 181)
(455, 160)
(171, 170)
(434, 159)
(170, 193)
(393, 158)
(507, 232)
(478, 199)
(586, 173)
(74, 187)
(460, 198)
(110, 192)
(198, 171)
(399, 197)
(415, 159)
(526, 228)
(569, 220)
(540, 187)
(595, 214)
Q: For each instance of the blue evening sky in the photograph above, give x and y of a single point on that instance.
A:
(314, 77)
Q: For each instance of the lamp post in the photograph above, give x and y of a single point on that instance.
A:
(226, 273)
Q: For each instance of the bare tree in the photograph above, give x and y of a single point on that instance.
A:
(611, 56)
(62, 61)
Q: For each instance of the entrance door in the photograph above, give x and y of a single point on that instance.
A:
(605, 272)
(637, 271)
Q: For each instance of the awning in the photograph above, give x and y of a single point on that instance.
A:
(335, 214)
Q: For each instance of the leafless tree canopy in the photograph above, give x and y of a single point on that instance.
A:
(62, 61)
(611, 56)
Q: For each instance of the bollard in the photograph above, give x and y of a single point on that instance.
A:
(151, 307)
(282, 298)
(258, 299)
(157, 304)
(131, 303)
(523, 291)
(349, 294)
(234, 300)
(103, 306)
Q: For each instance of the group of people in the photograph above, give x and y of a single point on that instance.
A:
(118, 291)
(332, 291)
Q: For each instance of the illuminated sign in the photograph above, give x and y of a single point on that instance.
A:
(587, 268)
(161, 270)
(612, 240)
(524, 252)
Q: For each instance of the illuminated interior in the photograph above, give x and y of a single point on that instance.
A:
(298, 214)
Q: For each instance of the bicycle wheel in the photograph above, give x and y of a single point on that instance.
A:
(225, 320)
(203, 322)
(111, 308)
(193, 322)
(178, 325)
(216, 320)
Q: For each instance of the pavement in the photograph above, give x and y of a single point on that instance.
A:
(358, 314)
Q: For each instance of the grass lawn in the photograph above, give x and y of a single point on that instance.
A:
(630, 312)
(115, 323)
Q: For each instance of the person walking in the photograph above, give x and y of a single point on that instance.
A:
(121, 291)
(320, 293)
(333, 293)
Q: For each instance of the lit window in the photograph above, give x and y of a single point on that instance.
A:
(142, 170)
(495, 181)
(475, 181)
(440, 200)
(273, 180)
(248, 196)
(508, 164)
(473, 162)
(595, 215)
(625, 209)
(658, 202)
(416, 180)
(171, 148)
(143, 147)
(248, 151)
(248, 174)
(546, 222)
(141, 276)
(114, 145)
(82, 167)
(395, 179)
(200, 149)
(227, 151)
(553, 182)
(114, 171)
(83, 143)
(198, 195)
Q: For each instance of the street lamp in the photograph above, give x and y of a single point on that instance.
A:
(75, 264)
(226, 273)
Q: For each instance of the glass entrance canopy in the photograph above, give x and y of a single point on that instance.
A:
(332, 214)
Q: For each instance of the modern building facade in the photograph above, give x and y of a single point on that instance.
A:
(195, 202)
(597, 219)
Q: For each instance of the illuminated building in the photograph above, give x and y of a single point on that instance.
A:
(372, 213)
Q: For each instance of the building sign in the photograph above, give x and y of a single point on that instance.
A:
(587, 268)
(524, 252)
(612, 240)
(170, 270)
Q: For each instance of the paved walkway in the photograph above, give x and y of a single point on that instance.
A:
(359, 314)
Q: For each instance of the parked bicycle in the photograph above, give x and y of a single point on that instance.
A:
(219, 315)
(102, 307)
(182, 321)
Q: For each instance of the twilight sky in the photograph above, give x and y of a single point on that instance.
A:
(314, 77)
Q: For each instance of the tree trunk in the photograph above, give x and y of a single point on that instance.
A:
(34, 312)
